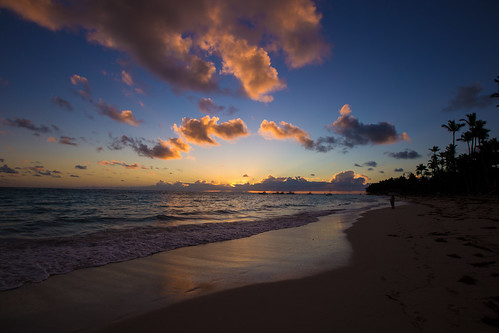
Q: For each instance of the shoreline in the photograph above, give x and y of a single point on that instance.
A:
(427, 266)
(91, 298)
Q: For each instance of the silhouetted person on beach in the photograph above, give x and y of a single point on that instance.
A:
(392, 201)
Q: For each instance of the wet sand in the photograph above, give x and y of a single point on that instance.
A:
(431, 266)
(89, 299)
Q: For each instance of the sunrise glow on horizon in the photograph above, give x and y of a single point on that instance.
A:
(276, 95)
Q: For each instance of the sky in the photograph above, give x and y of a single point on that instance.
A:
(237, 95)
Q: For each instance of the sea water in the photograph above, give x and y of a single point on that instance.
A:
(45, 232)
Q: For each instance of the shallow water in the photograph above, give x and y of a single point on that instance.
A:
(52, 231)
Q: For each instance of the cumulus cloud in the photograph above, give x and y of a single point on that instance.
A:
(201, 131)
(81, 167)
(27, 124)
(270, 130)
(354, 133)
(62, 103)
(177, 40)
(162, 149)
(407, 154)
(349, 132)
(468, 97)
(111, 111)
(346, 181)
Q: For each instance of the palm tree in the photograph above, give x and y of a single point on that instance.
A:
(466, 137)
(421, 170)
(433, 162)
(453, 127)
(471, 122)
(480, 132)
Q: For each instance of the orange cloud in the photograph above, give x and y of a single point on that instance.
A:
(270, 130)
(200, 131)
(126, 78)
(167, 36)
(125, 116)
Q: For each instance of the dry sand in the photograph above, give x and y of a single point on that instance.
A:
(431, 266)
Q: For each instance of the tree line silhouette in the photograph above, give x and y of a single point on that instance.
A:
(474, 172)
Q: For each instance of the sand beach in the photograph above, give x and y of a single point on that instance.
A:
(429, 266)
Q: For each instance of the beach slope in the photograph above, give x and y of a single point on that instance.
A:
(428, 266)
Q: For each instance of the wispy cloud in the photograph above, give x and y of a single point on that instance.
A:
(407, 154)
(201, 131)
(62, 103)
(127, 78)
(133, 166)
(27, 124)
(166, 37)
(81, 167)
(398, 170)
(468, 97)
(63, 140)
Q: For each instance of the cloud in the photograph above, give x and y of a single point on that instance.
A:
(407, 154)
(245, 175)
(62, 103)
(63, 140)
(111, 111)
(39, 171)
(162, 149)
(177, 41)
(346, 181)
(81, 81)
(468, 97)
(371, 164)
(349, 133)
(206, 105)
(201, 131)
(27, 124)
(398, 170)
(6, 169)
(81, 167)
(270, 130)
(126, 78)
(355, 133)
(1, 160)
(74, 176)
(133, 166)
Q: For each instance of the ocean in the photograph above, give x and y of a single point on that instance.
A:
(45, 232)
